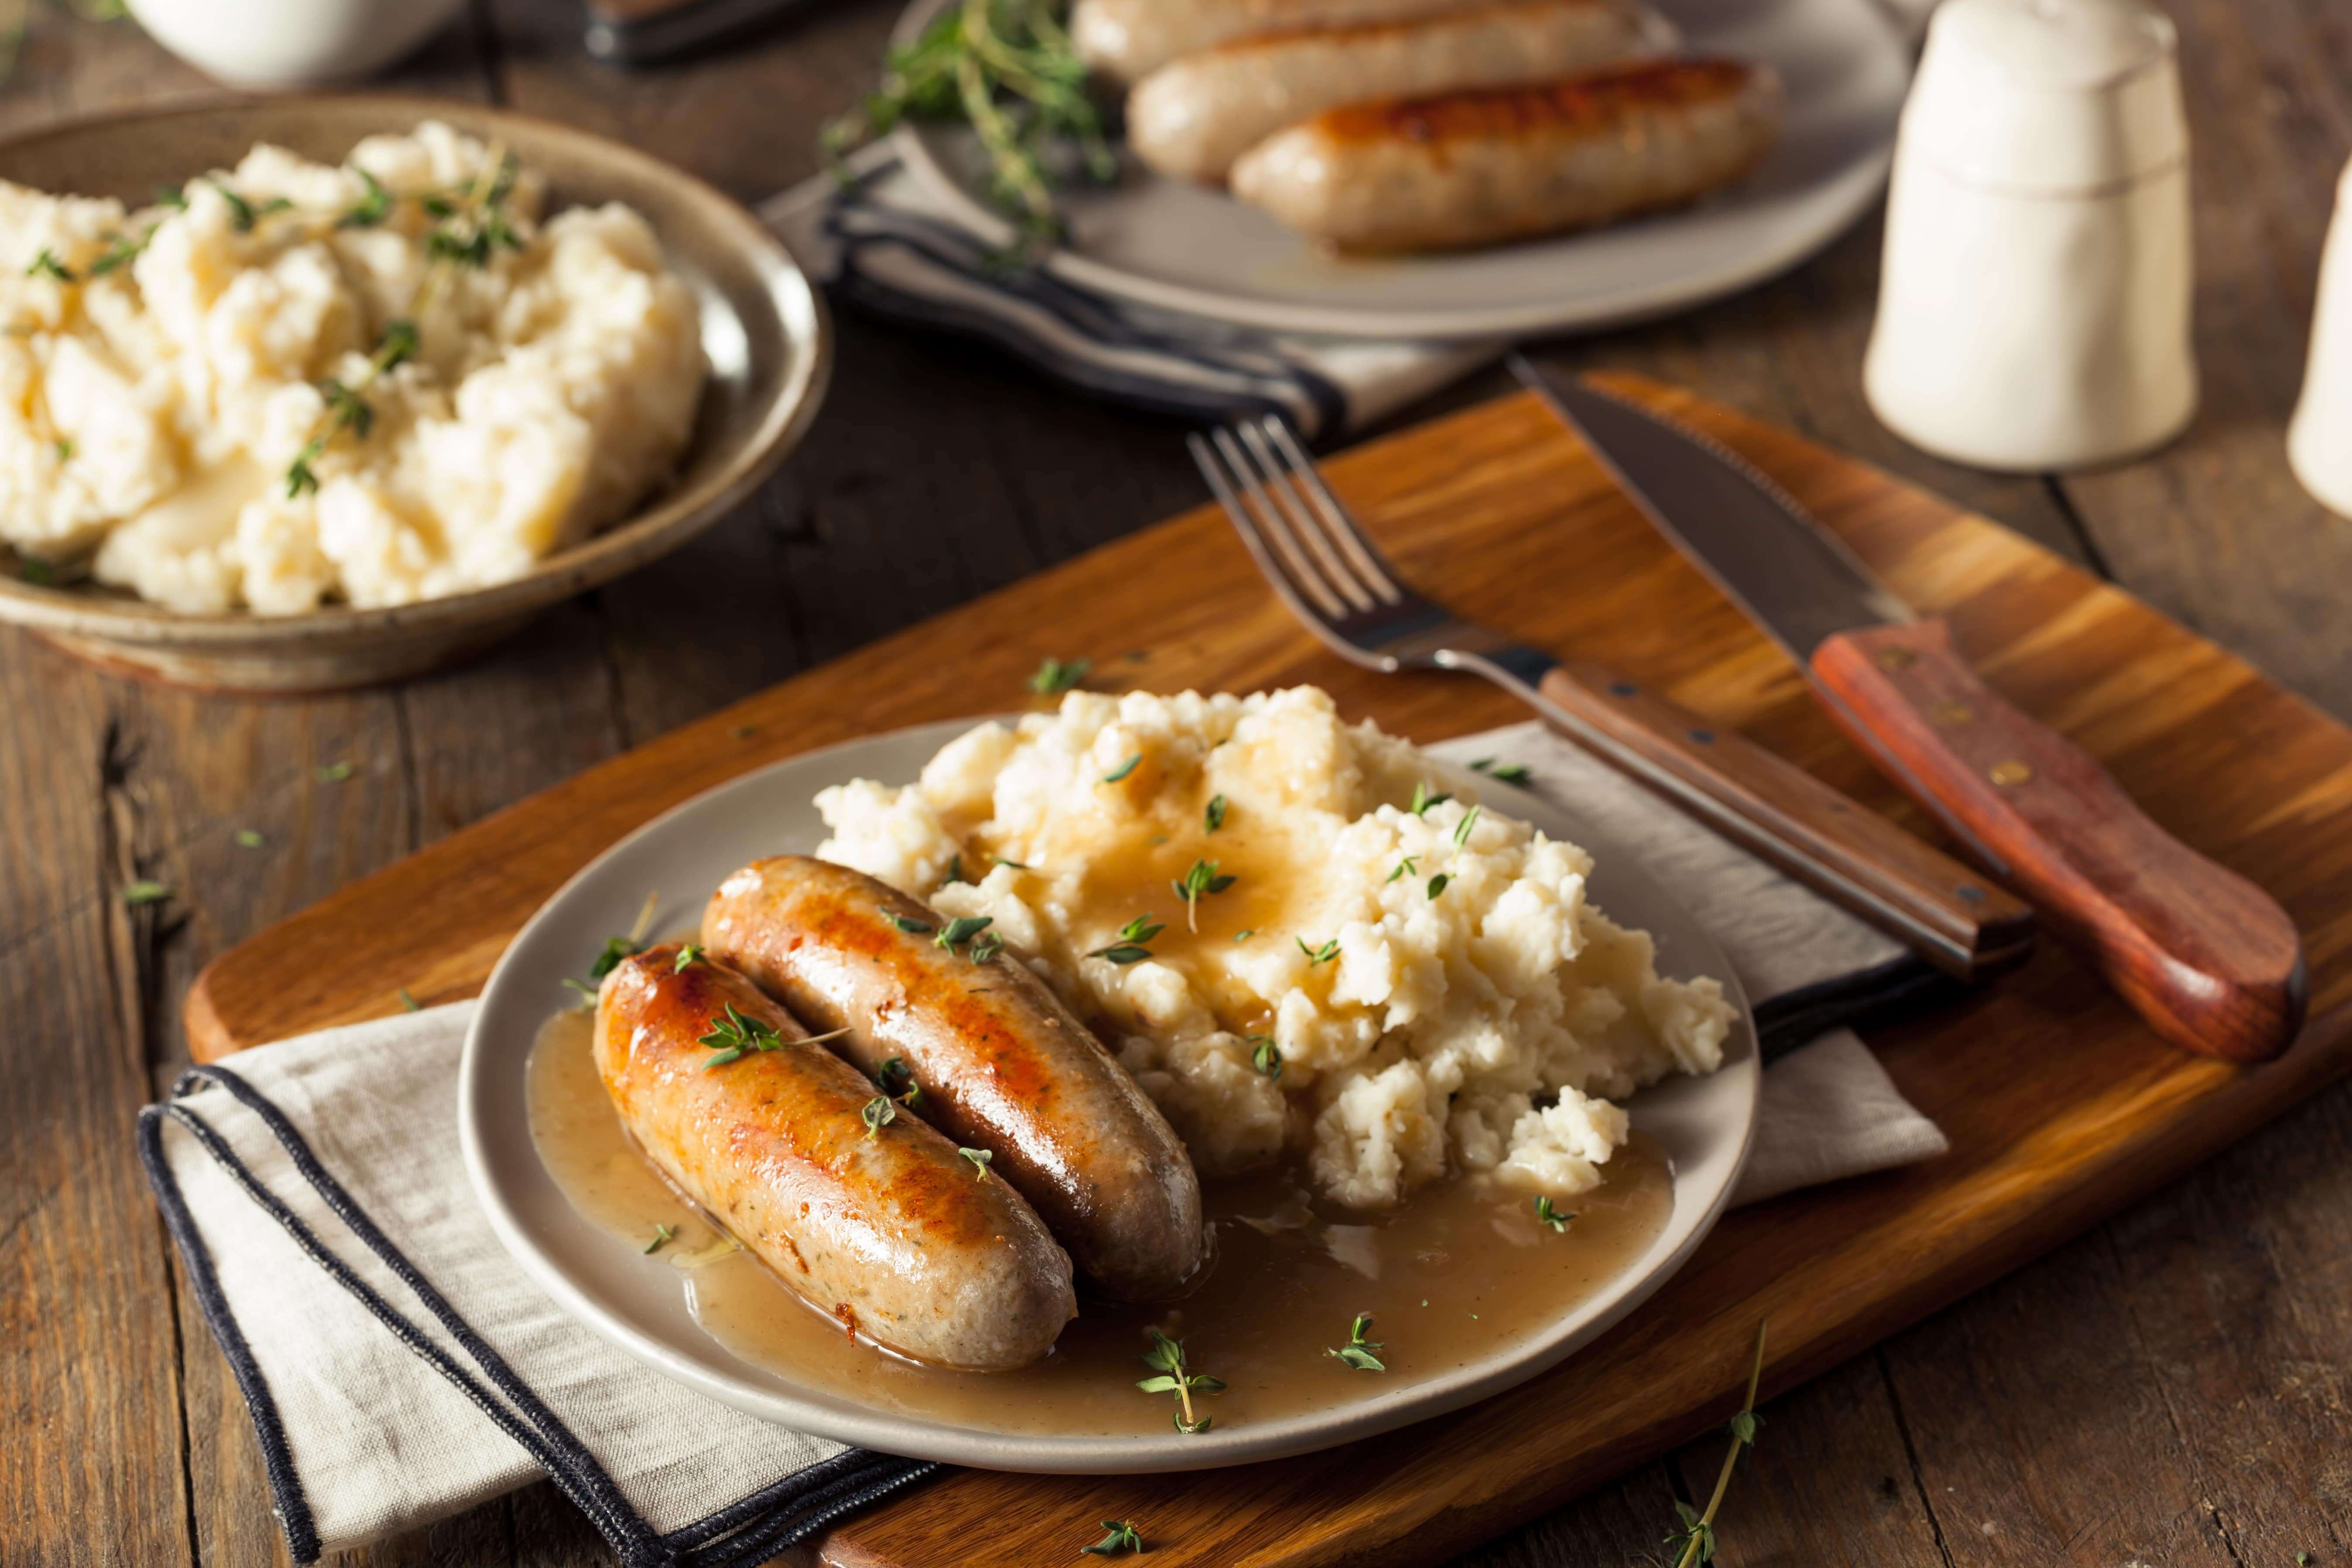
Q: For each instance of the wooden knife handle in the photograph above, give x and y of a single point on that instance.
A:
(2209, 960)
(1939, 908)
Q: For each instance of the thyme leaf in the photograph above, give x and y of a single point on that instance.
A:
(879, 1113)
(1166, 1357)
(1267, 1057)
(1120, 1535)
(1057, 676)
(1214, 816)
(1358, 1353)
(663, 1234)
(1546, 1214)
(734, 1034)
(1123, 768)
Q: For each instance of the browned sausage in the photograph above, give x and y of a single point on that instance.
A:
(896, 1234)
(1479, 167)
(1001, 1064)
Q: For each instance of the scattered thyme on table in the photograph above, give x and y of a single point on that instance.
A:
(1693, 1543)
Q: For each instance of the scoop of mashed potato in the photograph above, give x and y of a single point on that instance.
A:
(163, 370)
(1394, 987)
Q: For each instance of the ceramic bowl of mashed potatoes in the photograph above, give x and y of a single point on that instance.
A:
(308, 393)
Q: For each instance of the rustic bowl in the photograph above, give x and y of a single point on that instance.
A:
(765, 330)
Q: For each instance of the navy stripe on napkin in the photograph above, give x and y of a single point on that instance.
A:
(750, 1529)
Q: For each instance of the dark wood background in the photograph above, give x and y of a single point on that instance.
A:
(2169, 1390)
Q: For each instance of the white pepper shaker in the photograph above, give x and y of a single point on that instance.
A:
(2320, 439)
(2033, 306)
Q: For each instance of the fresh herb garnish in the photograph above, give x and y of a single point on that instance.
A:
(608, 959)
(1267, 1057)
(955, 871)
(984, 948)
(1693, 1543)
(907, 923)
(474, 227)
(1200, 880)
(172, 196)
(35, 570)
(1057, 676)
(1008, 67)
(1123, 768)
(370, 209)
(347, 407)
(1016, 865)
(879, 1113)
(689, 955)
(47, 265)
(409, 1003)
(895, 1073)
(1122, 1536)
(1214, 816)
(961, 930)
(1546, 1214)
(1404, 868)
(1245, 936)
(1129, 948)
(332, 772)
(980, 1159)
(1166, 1357)
(1509, 773)
(663, 1233)
(64, 449)
(1437, 884)
(1422, 800)
(246, 838)
(1357, 1351)
(1323, 954)
(731, 1035)
(146, 893)
(1461, 828)
(123, 252)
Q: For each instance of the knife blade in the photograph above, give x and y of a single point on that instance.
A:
(2210, 961)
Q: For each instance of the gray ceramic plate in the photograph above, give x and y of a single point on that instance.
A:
(763, 330)
(1195, 249)
(634, 1301)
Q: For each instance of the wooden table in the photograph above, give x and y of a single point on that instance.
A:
(2171, 1389)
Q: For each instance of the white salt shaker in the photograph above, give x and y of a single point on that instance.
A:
(2033, 306)
(2320, 439)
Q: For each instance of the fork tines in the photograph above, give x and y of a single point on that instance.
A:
(1304, 539)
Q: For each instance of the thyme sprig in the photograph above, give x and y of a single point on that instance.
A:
(1358, 1353)
(1546, 1213)
(879, 1113)
(347, 406)
(1323, 954)
(961, 930)
(1130, 947)
(1166, 1358)
(1693, 1543)
(1214, 816)
(663, 1234)
(1423, 799)
(735, 1034)
(897, 1082)
(1509, 773)
(1121, 1536)
(1196, 883)
(1267, 1057)
(1008, 68)
(1057, 676)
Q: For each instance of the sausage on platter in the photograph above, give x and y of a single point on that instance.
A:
(1476, 168)
(1192, 116)
(889, 1229)
(1001, 1064)
(1128, 38)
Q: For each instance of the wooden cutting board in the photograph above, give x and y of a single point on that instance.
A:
(2061, 1108)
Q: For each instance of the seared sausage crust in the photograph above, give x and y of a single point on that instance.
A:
(1474, 168)
(1192, 116)
(895, 1235)
(1001, 1064)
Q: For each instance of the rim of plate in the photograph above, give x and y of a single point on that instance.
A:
(1848, 194)
(493, 1047)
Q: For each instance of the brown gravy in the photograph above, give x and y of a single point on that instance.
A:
(1461, 1271)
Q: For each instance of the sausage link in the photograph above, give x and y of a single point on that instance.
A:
(1193, 116)
(1127, 39)
(1476, 168)
(895, 1235)
(1001, 1064)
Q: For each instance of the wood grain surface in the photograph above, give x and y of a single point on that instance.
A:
(2168, 1389)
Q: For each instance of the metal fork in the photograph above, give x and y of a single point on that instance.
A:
(1335, 579)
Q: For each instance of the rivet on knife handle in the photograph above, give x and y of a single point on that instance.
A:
(2209, 960)
(1951, 915)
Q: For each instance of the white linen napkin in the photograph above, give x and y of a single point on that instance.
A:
(399, 1366)
(882, 240)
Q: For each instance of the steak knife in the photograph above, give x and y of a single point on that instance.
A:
(2207, 959)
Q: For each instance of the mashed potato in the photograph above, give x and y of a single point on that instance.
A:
(163, 370)
(1481, 1022)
